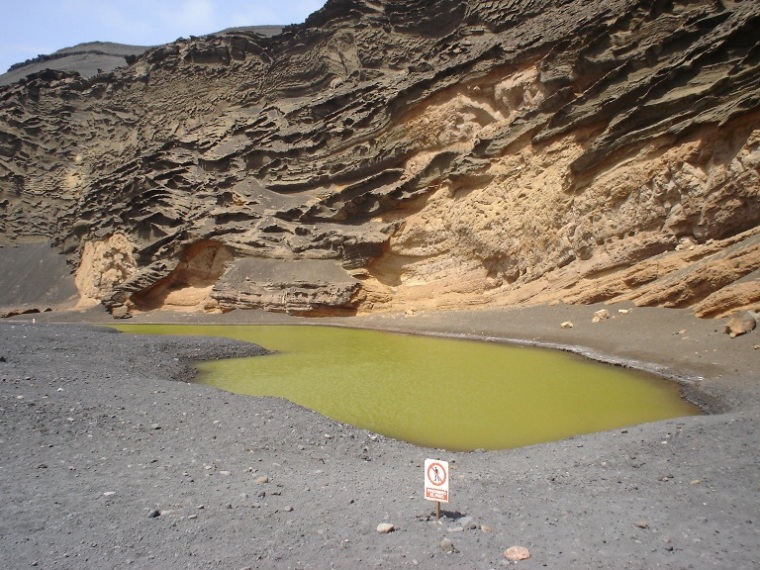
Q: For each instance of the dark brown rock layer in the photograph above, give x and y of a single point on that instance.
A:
(407, 154)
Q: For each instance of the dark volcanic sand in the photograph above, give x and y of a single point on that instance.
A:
(110, 459)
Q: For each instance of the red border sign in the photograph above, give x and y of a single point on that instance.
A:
(437, 480)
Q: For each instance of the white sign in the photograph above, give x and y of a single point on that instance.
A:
(437, 480)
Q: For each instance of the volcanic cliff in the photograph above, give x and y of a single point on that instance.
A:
(405, 155)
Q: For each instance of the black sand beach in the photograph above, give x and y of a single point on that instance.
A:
(111, 459)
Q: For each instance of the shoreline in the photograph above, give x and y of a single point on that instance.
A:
(109, 458)
(657, 341)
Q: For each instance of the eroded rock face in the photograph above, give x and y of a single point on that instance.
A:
(407, 154)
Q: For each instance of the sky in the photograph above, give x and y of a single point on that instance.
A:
(32, 27)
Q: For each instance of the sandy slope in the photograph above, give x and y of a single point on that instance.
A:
(96, 438)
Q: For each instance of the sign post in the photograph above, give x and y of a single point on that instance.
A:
(437, 483)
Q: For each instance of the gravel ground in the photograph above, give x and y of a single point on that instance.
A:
(109, 458)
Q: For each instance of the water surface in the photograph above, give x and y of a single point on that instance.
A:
(434, 392)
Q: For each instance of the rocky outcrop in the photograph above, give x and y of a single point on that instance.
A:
(410, 155)
(306, 286)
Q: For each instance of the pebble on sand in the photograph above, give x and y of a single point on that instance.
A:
(515, 553)
(385, 528)
(447, 546)
(601, 315)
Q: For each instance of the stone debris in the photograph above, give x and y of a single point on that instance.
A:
(447, 546)
(516, 553)
(600, 315)
(567, 325)
(741, 323)
(385, 528)
(262, 480)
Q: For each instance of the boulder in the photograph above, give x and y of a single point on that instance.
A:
(741, 323)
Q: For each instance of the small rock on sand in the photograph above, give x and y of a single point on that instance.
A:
(515, 553)
(567, 325)
(601, 315)
(741, 323)
(385, 528)
(447, 546)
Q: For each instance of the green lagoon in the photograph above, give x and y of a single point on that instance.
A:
(435, 392)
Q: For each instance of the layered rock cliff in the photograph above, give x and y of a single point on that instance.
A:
(409, 155)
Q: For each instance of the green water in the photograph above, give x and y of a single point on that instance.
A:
(443, 393)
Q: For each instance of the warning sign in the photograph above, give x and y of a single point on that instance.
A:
(437, 480)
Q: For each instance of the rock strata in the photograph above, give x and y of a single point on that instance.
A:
(406, 155)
